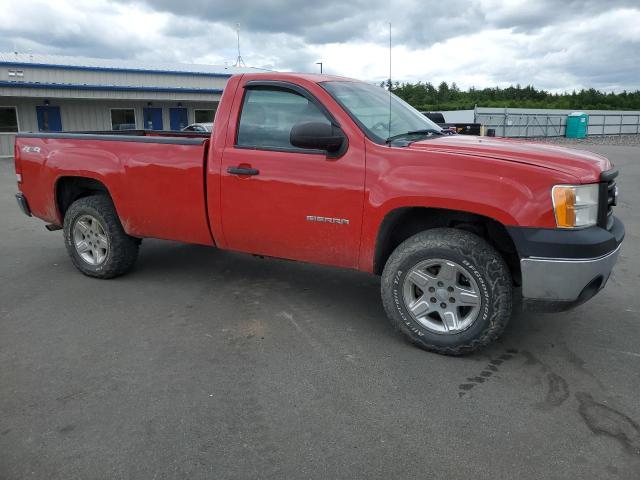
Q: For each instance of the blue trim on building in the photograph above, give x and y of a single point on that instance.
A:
(113, 69)
(112, 88)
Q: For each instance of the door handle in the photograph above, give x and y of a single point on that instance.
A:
(243, 171)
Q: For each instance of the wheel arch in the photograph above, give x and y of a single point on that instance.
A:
(401, 223)
(70, 188)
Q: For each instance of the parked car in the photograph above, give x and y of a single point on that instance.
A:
(461, 128)
(330, 171)
(198, 127)
(125, 126)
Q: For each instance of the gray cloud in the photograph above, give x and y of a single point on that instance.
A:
(556, 45)
(542, 13)
(418, 23)
(295, 17)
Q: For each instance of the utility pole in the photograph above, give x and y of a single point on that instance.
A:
(320, 63)
(239, 60)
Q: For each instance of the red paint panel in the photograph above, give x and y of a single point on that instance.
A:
(157, 189)
(510, 193)
(268, 213)
(583, 165)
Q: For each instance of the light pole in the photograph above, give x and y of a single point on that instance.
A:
(320, 63)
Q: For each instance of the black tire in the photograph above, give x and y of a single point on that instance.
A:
(478, 257)
(122, 249)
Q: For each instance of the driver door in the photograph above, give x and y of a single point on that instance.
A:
(282, 201)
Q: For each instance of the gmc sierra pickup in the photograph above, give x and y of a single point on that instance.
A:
(338, 172)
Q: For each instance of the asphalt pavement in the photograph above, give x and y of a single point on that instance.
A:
(209, 364)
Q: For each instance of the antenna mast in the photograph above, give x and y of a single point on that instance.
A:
(239, 60)
(390, 83)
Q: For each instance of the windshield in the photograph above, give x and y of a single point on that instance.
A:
(369, 105)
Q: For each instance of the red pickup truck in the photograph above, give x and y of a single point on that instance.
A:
(339, 172)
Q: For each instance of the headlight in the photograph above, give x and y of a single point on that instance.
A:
(575, 205)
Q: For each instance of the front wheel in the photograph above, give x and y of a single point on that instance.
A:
(94, 237)
(448, 291)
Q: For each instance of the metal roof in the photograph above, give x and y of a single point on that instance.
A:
(112, 88)
(102, 64)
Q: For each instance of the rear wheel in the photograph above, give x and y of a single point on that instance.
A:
(95, 239)
(448, 291)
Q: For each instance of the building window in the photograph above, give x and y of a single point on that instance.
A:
(204, 116)
(8, 119)
(123, 119)
(16, 75)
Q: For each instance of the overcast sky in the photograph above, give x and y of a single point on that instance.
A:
(552, 44)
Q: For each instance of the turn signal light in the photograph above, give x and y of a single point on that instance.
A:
(575, 206)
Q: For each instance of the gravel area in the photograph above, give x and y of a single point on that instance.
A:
(625, 140)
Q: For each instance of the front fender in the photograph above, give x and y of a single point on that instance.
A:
(512, 194)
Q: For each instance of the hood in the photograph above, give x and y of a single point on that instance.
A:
(585, 166)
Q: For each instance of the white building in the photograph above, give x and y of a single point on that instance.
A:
(59, 93)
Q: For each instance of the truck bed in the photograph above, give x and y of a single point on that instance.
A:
(156, 179)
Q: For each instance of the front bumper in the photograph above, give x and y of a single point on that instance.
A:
(559, 284)
(22, 203)
(576, 266)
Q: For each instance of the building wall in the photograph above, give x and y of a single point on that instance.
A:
(6, 144)
(86, 89)
(78, 114)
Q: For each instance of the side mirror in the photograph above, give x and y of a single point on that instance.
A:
(317, 136)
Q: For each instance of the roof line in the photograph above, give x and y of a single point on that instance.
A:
(120, 88)
(113, 69)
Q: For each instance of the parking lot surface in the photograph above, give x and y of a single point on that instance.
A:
(209, 364)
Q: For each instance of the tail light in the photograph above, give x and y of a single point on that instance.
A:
(17, 163)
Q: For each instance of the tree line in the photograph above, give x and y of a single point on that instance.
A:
(425, 96)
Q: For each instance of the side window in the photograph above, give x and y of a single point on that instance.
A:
(123, 119)
(8, 119)
(204, 116)
(268, 115)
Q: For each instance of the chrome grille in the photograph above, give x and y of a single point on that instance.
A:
(612, 197)
(608, 198)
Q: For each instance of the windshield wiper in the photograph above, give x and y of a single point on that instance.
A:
(424, 131)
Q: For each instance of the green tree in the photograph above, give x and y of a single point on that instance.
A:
(424, 96)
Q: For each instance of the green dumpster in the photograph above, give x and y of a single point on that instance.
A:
(577, 125)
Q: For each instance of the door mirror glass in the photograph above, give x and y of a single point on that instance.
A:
(317, 136)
